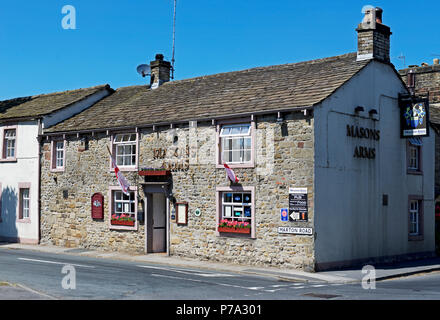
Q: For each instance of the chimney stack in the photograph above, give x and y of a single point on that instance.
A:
(160, 71)
(373, 37)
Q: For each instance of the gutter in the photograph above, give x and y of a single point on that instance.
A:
(161, 124)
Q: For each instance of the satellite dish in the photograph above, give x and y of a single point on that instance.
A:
(144, 70)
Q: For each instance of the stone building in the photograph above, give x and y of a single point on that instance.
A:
(22, 120)
(323, 178)
(424, 80)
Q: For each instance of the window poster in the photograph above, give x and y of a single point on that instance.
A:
(228, 212)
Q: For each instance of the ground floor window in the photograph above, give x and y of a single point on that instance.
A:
(24, 205)
(415, 218)
(123, 209)
(236, 211)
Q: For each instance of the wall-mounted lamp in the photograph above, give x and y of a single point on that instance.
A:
(372, 112)
(359, 109)
(280, 119)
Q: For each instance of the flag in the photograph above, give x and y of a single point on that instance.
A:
(230, 173)
(123, 183)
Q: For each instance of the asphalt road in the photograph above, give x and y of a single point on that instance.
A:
(38, 275)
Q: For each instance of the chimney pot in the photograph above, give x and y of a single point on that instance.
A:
(436, 61)
(379, 12)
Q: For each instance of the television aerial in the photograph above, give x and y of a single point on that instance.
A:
(144, 70)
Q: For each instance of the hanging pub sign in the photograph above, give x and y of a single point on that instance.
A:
(298, 209)
(414, 116)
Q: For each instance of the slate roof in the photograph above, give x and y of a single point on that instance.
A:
(281, 87)
(44, 104)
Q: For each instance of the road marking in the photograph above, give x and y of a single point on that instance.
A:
(207, 275)
(55, 262)
(319, 285)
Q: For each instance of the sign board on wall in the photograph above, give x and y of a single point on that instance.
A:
(97, 206)
(295, 230)
(414, 116)
(298, 208)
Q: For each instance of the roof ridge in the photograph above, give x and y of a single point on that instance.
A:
(319, 60)
(68, 91)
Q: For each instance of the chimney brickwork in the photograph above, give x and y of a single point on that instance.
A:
(373, 37)
(160, 71)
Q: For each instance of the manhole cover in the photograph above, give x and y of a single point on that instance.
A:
(321, 295)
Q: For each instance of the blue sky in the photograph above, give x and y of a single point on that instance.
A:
(112, 37)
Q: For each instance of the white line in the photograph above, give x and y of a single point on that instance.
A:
(54, 262)
(319, 285)
(212, 275)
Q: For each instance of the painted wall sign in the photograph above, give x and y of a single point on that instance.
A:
(295, 230)
(97, 206)
(414, 116)
(363, 133)
(298, 207)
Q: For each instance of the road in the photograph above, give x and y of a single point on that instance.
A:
(41, 276)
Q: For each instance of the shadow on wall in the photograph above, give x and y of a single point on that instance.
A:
(8, 229)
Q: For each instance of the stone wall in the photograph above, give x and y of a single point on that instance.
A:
(284, 158)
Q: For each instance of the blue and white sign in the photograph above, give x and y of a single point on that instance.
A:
(284, 214)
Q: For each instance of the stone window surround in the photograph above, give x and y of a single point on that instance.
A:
(251, 164)
(113, 150)
(23, 185)
(3, 146)
(420, 169)
(218, 199)
(420, 236)
(53, 151)
(111, 189)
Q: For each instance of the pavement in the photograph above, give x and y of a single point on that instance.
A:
(352, 275)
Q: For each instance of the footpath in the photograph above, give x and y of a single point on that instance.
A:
(344, 276)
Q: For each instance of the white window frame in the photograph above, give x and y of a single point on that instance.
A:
(113, 190)
(129, 143)
(5, 144)
(414, 217)
(220, 191)
(222, 137)
(55, 155)
(24, 203)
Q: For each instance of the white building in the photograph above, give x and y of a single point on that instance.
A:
(21, 121)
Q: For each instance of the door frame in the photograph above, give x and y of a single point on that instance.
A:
(150, 188)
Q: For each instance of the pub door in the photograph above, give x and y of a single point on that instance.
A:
(156, 222)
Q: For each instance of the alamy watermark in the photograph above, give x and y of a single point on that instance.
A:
(69, 280)
(69, 20)
(369, 280)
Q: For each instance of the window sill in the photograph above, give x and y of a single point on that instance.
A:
(8, 160)
(416, 238)
(414, 172)
(25, 220)
(122, 227)
(57, 170)
(237, 166)
(125, 169)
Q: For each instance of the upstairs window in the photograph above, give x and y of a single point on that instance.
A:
(124, 147)
(58, 159)
(236, 144)
(9, 144)
(414, 152)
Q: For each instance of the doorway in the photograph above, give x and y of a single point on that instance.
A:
(156, 222)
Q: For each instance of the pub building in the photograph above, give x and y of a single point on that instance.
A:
(318, 173)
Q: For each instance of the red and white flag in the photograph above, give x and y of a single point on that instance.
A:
(231, 174)
(123, 183)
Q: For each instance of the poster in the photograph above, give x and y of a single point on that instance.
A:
(298, 207)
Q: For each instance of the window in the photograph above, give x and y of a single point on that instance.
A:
(415, 218)
(9, 151)
(124, 148)
(236, 144)
(236, 210)
(24, 204)
(414, 150)
(123, 210)
(58, 155)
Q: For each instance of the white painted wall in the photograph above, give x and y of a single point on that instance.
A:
(350, 221)
(24, 170)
